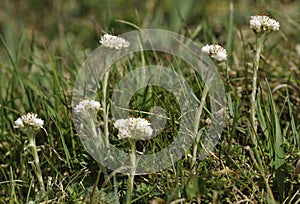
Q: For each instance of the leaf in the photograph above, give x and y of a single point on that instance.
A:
(195, 187)
(278, 157)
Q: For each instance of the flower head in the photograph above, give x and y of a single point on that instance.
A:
(217, 52)
(112, 41)
(133, 127)
(29, 120)
(87, 105)
(263, 23)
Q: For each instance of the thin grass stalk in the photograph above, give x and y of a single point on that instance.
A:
(268, 187)
(196, 132)
(95, 185)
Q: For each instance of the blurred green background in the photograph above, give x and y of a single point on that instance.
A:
(82, 22)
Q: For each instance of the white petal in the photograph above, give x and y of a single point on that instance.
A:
(38, 123)
(19, 123)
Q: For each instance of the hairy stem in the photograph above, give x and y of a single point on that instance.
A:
(133, 168)
(259, 44)
(105, 108)
(253, 135)
(36, 160)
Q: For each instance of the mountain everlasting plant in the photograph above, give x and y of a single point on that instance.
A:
(30, 124)
(131, 129)
(261, 25)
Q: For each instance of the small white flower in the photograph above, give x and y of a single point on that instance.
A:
(133, 127)
(87, 105)
(206, 49)
(217, 52)
(122, 125)
(29, 120)
(263, 23)
(19, 123)
(112, 41)
(38, 123)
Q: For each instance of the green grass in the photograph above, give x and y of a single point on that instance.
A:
(43, 46)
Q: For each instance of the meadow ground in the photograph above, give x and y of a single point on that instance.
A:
(43, 46)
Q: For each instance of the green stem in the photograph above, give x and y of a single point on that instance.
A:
(227, 77)
(38, 170)
(259, 44)
(133, 168)
(230, 106)
(197, 121)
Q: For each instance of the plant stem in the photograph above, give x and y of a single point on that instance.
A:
(259, 44)
(197, 121)
(133, 168)
(105, 110)
(253, 135)
(38, 170)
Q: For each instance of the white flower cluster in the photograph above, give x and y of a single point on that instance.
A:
(112, 41)
(263, 24)
(217, 52)
(133, 127)
(87, 105)
(29, 120)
